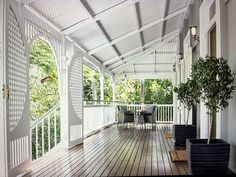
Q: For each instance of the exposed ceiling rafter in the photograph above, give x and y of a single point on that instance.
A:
(97, 17)
(185, 15)
(27, 1)
(129, 60)
(110, 61)
(98, 25)
(56, 28)
(165, 6)
(160, 43)
(135, 7)
(129, 34)
(145, 75)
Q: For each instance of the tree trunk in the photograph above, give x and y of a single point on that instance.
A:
(186, 123)
(210, 126)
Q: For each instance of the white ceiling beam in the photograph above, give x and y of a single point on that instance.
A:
(129, 60)
(137, 17)
(174, 33)
(123, 55)
(43, 18)
(140, 64)
(145, 75)
(147, 26)
(117, 64)
(108, 62)
(97, 17)
(164, 12)
(27, 1)
(185, 15)
(137, 49)
(149, 72)
(85, 53)
(98, 27)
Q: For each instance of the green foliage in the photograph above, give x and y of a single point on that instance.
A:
(87, 83)
(188, 93)
(158, 91)
(52, 136)
(216, 84)
(44, 93)
(215, 80)
(128, 91)
(89, 76)
(107, 89)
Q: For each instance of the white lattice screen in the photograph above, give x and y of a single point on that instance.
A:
(33, 31)
(76, 89)
(17, 72)
(75, 79)
(17, 104)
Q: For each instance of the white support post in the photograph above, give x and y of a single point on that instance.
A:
(175, 105)
(64, 99)
(72, 103)
(102, 84)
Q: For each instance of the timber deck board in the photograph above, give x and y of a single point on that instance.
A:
(115, 151)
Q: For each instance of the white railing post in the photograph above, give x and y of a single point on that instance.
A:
(36, 144)
(42, 136)
(49, 142)
(55, 129)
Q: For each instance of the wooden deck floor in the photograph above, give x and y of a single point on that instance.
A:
(115, 151)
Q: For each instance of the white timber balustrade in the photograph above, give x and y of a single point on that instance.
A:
(164, 113)
(97, 117)
(45, 132)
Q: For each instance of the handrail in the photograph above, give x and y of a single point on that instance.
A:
(164, 112)
(36, 122)
(45, 132)
(98, 105)
(146, 104)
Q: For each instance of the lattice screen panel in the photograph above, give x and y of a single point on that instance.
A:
(17, 72)
(76, 87)
(17, 105)
(32, 32)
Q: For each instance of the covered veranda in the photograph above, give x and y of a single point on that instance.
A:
(121, 39)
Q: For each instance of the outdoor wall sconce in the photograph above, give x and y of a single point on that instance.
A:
(193, 32)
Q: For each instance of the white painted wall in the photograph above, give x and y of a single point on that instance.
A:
(206, 25)
(232, 62)
(226, 40)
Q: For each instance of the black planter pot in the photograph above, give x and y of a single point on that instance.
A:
(183, 132)
(206, 158)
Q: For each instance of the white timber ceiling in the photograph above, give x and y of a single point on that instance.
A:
(126, 36)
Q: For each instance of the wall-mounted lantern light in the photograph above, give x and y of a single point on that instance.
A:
(193, 32)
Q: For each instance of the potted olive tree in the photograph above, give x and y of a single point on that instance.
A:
(216, 84)
(188, 95)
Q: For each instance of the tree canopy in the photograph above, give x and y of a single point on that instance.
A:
(44, 93)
